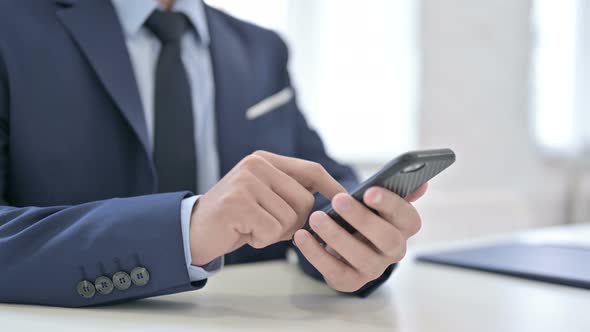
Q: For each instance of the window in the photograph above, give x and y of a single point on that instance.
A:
(561, 71)
(354, 66)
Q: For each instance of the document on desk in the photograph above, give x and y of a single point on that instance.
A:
(565, 265)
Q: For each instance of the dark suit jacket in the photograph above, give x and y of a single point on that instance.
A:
(77, 181)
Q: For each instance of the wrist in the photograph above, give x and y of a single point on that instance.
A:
(200, 250)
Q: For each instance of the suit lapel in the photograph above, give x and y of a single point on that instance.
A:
(97, 31)
(231, 76)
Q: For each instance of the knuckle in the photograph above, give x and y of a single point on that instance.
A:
(368, 270)
(291, 218)
(373, 274)
(415, 221)
(226, 199)
(372, 269)
(266, 236)
(400, 252)
(252, 161)
(261, 244)
(377, 271)
(276, 234)
(317, 167)
(393, 251)
(347, 281)
(396, 248)
(348, 274)
(308, 201)
(267, 239)
(244, 181)
(354, 285)
(336, 275)
(261, 241)
(403, 250)
(258, 244)
(359, 285)
(235, 196)
(259, 153)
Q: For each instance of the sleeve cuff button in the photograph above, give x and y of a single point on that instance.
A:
(140, 276)
(86, 289)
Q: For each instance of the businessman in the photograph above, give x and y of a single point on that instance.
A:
(144, 144)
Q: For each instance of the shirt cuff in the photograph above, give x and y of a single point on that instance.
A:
(195, 273)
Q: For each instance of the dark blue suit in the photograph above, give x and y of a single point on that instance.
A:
(77, 181)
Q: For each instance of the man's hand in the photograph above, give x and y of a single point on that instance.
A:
(349, 261)
(264, 199)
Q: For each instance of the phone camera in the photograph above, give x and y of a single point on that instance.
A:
(413, 168)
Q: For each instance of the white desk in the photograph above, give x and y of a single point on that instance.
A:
(276, 296)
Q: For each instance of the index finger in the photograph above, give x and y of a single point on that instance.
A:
(309, 174)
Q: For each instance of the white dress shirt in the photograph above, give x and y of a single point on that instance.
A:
(144, 49)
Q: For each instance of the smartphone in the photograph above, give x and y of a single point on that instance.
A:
(403, 175)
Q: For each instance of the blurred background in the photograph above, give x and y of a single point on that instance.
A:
(502, 82)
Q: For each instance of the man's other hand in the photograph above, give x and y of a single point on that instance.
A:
(350, 261)
(264, 199)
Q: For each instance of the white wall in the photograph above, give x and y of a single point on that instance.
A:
(474, 98)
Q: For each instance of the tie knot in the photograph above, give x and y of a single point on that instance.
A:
(167, 26)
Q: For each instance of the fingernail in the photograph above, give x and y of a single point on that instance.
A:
(300, 238)
(377, 196)
(342, 204)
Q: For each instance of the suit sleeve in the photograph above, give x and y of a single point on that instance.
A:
(46, 252)
(309, 146)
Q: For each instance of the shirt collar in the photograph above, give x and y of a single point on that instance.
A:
(134, 13)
